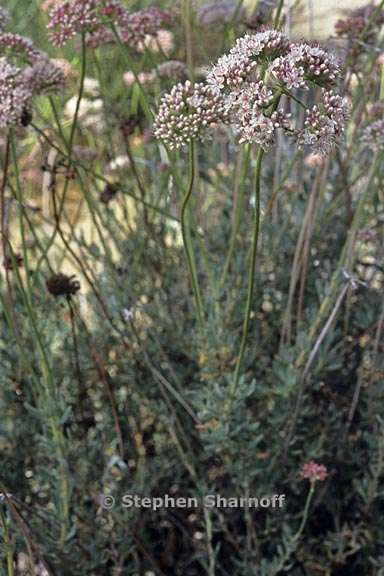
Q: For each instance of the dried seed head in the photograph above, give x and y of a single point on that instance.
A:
(129, 124)
(62, 285)
(109, 192)
(9, 261)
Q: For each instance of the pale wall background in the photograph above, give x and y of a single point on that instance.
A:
(316, 18)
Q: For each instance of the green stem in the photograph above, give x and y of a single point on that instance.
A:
(251, 276)
(69, 145)
(237, 218)
(185, 229)
(276, 23)
(305, 513)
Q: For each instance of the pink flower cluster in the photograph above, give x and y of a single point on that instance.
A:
(304, 64)
(70, 18)
(253, 76)
(18, 85)
(324, 123)
(314, 472)
(97, 20)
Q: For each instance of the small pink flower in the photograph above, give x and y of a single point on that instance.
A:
(314, 472)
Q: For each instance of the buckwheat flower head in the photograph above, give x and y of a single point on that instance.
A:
(14, 45)
(4, 19)
(324, 124)
(305, 63)
(147, 22)
(230, 71)
(236, 67)
(373, 136)
(15, 96)
(268, 44)
(72, 17)
(174, 69)
(314, 472)
(187, 112)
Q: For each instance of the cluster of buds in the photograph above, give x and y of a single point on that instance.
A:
(70, 18)
(240, 64)
(102, 22)
(248, 83)
(19, 84)
(187, 112)
(324, 123)
(305, 64)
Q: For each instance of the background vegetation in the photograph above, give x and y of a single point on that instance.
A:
(108, 383)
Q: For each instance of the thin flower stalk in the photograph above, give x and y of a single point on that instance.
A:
(251, 274)
(187, 240)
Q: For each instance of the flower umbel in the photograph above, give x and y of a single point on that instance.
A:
(70, 18)
(187, 112)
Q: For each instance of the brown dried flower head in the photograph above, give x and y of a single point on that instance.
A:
(62, 285)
